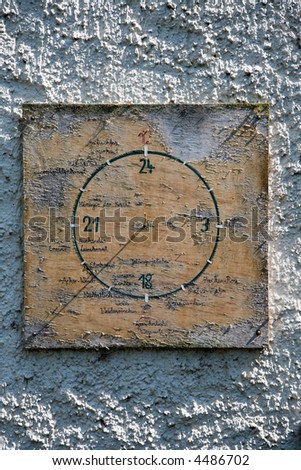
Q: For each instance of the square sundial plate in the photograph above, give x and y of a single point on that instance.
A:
(145, 225)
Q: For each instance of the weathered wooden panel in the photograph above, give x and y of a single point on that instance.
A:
(145, 226)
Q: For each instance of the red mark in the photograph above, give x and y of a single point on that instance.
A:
(144, 138)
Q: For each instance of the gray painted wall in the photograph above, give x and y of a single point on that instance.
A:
(88, 51)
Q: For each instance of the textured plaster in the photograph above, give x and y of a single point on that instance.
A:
(88, 51)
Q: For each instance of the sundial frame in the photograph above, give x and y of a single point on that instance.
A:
(187, 267)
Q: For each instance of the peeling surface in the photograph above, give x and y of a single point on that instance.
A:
(152, 52)
(233, 288)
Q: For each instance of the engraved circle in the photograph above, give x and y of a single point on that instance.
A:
(97, 274)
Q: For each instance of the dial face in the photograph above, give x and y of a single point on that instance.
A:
(165, 207)
(143, 221)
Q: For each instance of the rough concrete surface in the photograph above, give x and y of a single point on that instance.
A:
(89, 51)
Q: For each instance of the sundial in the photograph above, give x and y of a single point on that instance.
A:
(166, 234)
(145, 226)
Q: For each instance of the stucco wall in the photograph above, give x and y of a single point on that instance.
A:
(89, 51)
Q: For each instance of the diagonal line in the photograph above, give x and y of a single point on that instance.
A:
(57, 311)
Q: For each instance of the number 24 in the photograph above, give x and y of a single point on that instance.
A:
(146, 164)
